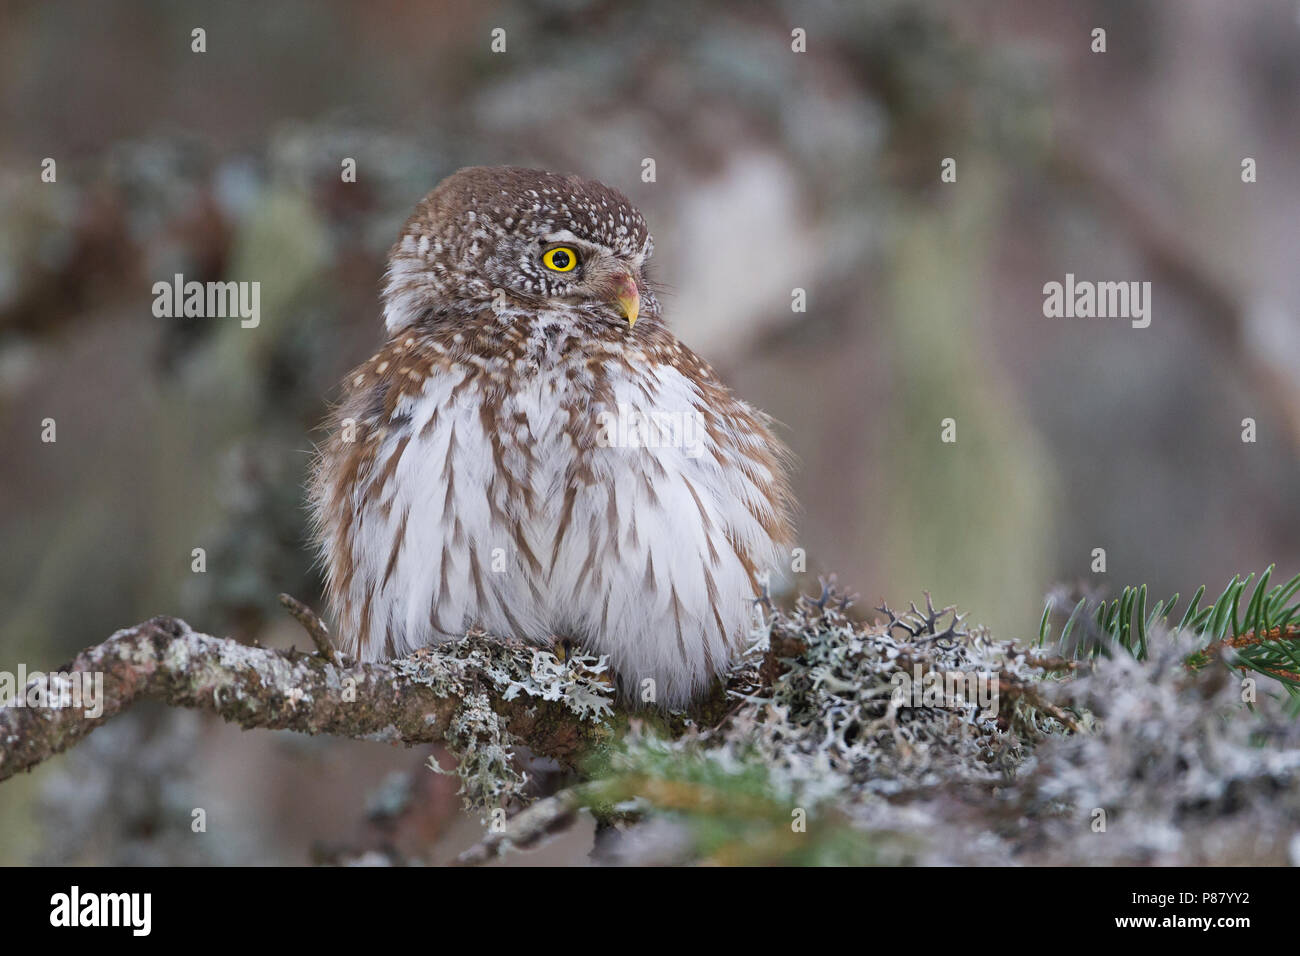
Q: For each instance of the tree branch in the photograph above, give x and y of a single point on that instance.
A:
(312, 624)
(164, 659)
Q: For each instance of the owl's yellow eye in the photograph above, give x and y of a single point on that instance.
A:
(560, 259)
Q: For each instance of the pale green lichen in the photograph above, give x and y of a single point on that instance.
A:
(1158, 764)
(833, 719)
(485, 755)
(576, 681)
(477, 736)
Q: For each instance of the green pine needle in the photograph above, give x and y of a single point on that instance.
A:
(1264, 638)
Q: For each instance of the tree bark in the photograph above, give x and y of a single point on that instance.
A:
(164, 659)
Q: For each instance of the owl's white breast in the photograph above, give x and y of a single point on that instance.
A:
(510, 517)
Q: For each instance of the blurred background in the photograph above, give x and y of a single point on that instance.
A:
(775, 170)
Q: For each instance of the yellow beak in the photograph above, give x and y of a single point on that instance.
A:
(628, 298)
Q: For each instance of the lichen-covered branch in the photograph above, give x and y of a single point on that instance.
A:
(835, 740)
(477, 696)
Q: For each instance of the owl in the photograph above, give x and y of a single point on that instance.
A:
(535, 454)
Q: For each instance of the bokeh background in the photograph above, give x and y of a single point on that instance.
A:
(775, 170)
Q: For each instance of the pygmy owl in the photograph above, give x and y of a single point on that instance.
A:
(535, 454)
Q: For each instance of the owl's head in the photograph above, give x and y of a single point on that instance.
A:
(490, 237)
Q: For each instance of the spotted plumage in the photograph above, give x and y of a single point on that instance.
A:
(534, 453)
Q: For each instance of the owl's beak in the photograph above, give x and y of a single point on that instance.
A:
(627, 298)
